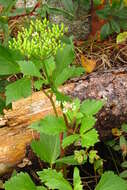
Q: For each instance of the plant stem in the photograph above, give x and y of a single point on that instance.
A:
(51, 95)
(114, 161)
(53, 104)
(65, 117)
(51, 100)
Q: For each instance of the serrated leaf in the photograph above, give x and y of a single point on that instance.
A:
(19, 89)
(8, 63)
(66, 74)
(50, 125)
(69, 140)
(64, 58)
(77, 180)
(21, 181)
(54, 179)
(38, 84)
(106, 30)
(29, 68)
(89, 139)
(110, 181)
(47, 148)
(87, 123)
(50, 65)
(91, 107)
(62, 97)
(70, 160)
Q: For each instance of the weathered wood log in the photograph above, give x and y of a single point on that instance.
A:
(14, 131)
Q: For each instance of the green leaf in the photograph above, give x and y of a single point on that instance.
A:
(50, 125)
(122, 142)
(115, 26)
(123, 174)
(77, 180)
(68, 5)
(8, 4)
(104, 13)
(54, 179)
(50, 65)
(124, 127)
(92, 156)
(69, 140)
(123, 24)
(64, 58)
(41, 188)
(8, 63)
(60, 11)
(62, 97)
(110, 181)
(98, 166)
(124, 164)
(21, 181)
(29, 68)
(87, 123)
(70, 160)
(91, 107)
(38, 84)
(37, 62)
(122, 13)
(20, 11)
(97, 2)
(89, 139)
(106, 30)
(74, 112)
(117, 4)
(122, 37)
(47, 148)
(77, 71)
(85, 4)
(19, 89)
(66, 74)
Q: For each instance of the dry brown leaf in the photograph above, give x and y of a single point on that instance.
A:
(88, 64)
(116, 132)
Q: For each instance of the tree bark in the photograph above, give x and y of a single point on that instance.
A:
(15, 134)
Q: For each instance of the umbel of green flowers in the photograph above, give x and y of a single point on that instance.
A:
(40, 40)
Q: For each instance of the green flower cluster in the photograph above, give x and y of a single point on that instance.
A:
(40, 40)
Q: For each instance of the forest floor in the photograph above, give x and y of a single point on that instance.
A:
(95, 56)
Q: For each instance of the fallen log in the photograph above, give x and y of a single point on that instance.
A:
(15, 134)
